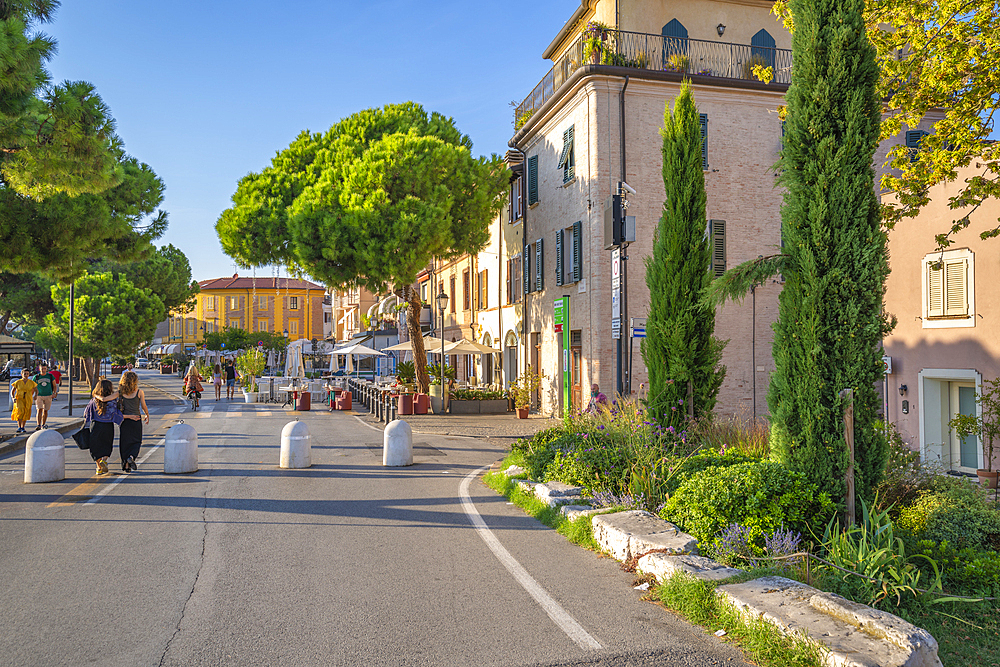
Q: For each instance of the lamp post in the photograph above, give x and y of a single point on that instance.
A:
(442, 303)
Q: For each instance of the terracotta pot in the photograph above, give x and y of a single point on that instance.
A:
(522, 413)
(987, 478)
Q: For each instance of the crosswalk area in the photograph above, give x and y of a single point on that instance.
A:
(211, 409)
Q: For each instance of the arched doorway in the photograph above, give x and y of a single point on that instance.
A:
(486, 375)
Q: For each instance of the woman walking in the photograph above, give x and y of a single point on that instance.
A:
(23, 391)
(132, 402)
(104, 414)
(217, 381)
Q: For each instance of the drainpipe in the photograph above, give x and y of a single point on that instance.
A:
(624, 379)
(524, 240)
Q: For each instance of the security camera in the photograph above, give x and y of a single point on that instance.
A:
(628, 188)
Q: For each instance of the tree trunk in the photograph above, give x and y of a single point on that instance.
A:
(90, 369)
(412, 298)
(4, 319)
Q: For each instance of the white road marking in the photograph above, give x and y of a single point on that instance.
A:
(560, 616)
(107, 489)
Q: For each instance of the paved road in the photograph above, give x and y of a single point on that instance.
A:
(344, 563)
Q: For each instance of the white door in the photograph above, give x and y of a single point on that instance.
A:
(965, 452)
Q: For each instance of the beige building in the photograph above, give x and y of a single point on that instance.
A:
(593, 123)
(347, 308)
(945, 342)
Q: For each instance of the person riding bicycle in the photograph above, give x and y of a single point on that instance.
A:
(193, 386)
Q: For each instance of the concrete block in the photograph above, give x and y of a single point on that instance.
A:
(397, 444)
(296, 451)
(662, 566)
(44, 457)
(635, 532)
(180, 449)
(557, 493)
(574, 512)
(515, 471)
(853, 634)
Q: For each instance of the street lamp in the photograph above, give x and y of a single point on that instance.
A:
(442, 303)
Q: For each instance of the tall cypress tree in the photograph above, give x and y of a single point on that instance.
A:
(680, 351)
(830, 311)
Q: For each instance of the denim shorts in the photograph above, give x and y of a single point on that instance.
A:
(230, 383)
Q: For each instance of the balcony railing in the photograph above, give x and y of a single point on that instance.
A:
(656, 52)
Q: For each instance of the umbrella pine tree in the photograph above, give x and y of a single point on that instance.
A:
(680, 351)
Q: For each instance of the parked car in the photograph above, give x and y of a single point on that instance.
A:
(141, 362)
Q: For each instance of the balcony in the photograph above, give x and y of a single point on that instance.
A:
(645, 51)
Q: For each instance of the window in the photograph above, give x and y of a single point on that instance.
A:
(514, 279)
(913, 140)
(533, 267)
(190, 327)
(569, 254)
(532, 180)
(262, 302)
(567, 161)
(423, 291)
(293, 303)
(675, 41)
(483, 290)
(948, 295)
(234, 303)
(262, 325)
(451, 293)
(703, 117)
(717, 241)
(293, 326)
(208, 327)
(515, 199)
(234, 324)
(762, 49)
(466, 291)
(209, 303)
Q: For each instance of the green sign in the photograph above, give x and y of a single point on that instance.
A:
(561, 320)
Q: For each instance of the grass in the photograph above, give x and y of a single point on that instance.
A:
(967, 634)
(696, 601)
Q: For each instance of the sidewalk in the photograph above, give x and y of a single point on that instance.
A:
(59, 420)
(504, 426)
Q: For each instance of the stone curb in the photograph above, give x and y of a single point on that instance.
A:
(850, 634)
(17, 444)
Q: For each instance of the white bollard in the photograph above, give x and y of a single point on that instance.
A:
(44, 457)
(397, 444)
(295, 449)
(180, 449)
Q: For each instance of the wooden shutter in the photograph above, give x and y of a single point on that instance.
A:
(935, 290)
(913, 141)
(526, 269)
(485, 303)
(718, 231)
(538, 265)
(510, 278)
(703, 117)
(532, 180)
(956, 293)
(567, 160)
(559, 257)
(577, 251)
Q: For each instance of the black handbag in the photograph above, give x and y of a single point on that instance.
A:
(82, 437)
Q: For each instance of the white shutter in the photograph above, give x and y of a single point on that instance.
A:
(935, 290)
(956, 301)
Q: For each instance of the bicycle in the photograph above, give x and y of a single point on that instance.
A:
(195, 397)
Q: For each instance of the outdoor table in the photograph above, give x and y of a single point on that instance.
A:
(294, 391)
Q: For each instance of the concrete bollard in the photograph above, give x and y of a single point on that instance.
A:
(44, 457)
(397, 444)
(295, 449)
(180, 449)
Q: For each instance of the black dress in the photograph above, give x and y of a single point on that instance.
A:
(130, 430)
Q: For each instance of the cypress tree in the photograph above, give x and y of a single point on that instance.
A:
(830, 318)
(680, 351)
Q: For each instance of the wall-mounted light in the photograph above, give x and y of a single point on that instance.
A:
(721, 28)
(902, 390)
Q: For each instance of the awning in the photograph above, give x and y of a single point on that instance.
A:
(170, 349)
(11, 345)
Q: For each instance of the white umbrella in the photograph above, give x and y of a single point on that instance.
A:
(293, 363)
(468, 347)
(432, 345)
(351, 351)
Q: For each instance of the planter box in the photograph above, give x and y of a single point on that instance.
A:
(490, 407)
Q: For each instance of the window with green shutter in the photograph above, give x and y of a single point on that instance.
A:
(913, 141)
(577, 251)
(526, 269)
(703, 117)
(567, 159)
(717, 236)
(539, 255)
(559, 257)
(532, 180)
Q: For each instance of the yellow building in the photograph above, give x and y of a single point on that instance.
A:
(278, 305)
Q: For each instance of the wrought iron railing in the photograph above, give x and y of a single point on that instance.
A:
(656, 52)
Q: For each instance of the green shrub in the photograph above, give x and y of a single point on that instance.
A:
(703, 460)
(955, 513)
(967, 571)
(760, 495)
(905, 477)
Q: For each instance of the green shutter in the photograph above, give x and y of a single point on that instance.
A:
(538, 265)
(526, 268)
(559, 257)
(567, 159)
(532, 180)
(704, 140)
(718, 236)
(577, 251)
(913, 141)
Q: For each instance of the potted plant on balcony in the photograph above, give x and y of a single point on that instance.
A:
(985, 426)
(595, 36)
(677, 62)
(523, 388)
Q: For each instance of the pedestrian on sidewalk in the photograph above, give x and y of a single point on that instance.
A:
(104, 414)
(230, 379)
(23, 392)
(132, 402)
(217, 382)
(48, 389)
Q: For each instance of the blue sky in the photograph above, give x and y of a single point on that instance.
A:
(206, 92)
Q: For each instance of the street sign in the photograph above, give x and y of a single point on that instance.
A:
(638, 327)
(887, 365)
(616, 293)
(616, 328)
(560, 315)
